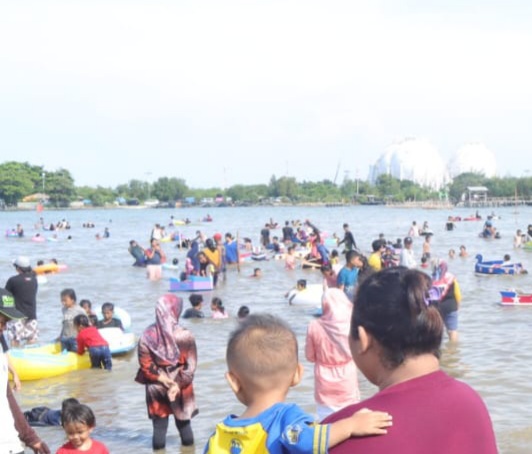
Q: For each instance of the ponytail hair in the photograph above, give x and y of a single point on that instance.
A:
(393, 306)
(218, 303)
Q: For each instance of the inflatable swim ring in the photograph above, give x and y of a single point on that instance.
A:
(48, 268)
(310, 296)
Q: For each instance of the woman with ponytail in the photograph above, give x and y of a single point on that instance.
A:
(395, 341)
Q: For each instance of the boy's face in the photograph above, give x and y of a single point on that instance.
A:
(107, 314)
(67, 301)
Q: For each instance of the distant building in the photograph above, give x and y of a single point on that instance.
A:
(412, 159)
(473, 157)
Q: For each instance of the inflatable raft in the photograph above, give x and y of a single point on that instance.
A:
(192, 284)
(515, 298)
(34, 363)
(120, 342)
(497, 267)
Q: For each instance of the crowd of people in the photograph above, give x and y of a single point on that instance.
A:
(381, 315)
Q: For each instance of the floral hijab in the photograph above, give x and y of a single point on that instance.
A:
(159, 337)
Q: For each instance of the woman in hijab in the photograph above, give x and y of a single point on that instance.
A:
(449, 297)
(167, 358)
(327, 346)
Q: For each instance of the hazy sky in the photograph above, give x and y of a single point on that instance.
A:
(227, 92)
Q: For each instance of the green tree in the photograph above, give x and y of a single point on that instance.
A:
(98, 196)
(169, 189)
(283, 187)
(17, 180)
(388, 186)
(462, 181)
(60, 187)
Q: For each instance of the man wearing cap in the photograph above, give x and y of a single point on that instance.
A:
(23, 287)
(407, 254)
(16, 432)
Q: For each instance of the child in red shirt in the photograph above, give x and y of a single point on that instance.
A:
(90, 338)
(78, 421)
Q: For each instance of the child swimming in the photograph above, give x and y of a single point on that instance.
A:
(263, 365)
(109, 321)
(218, 309)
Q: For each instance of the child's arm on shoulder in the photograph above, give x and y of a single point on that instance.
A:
(362, 423)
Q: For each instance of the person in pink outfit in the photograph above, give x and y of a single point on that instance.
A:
(327, 346)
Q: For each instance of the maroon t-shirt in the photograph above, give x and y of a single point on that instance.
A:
(433, 414)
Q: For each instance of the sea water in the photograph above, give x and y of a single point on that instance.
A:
(494, 354)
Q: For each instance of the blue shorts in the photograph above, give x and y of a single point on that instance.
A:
(451, 321)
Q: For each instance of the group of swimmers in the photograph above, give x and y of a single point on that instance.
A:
(218, 310)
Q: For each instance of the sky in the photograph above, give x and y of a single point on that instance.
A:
(232, 92)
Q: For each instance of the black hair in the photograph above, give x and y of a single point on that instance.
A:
(81, 320)
(108, 306)
(87, 302)
(391, 305)
(79, 413)
(377, 244)
(302, 283)
(243, 312)
(326, 268)
(218, 303)
(195, 299)
(68, 292)
(68, 402)
(349, 255)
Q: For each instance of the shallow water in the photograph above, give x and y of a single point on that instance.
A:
(493, 354)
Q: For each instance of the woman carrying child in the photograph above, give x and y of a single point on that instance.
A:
(327, 346)
(167, 358)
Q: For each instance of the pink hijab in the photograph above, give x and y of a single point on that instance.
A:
(336, 318)
(159, 337)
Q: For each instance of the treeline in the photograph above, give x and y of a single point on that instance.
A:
(19, 180)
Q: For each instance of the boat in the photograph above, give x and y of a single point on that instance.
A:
(34, 363)
(310, 296)
(192, 284)
(497, 267)
(515, 298)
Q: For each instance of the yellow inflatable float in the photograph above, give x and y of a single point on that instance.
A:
(34, 363)
(49, 268)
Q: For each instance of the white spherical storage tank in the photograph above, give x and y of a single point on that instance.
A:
(473, 157)
(412, 159)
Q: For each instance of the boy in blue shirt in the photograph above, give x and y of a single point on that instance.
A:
(263, 365)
